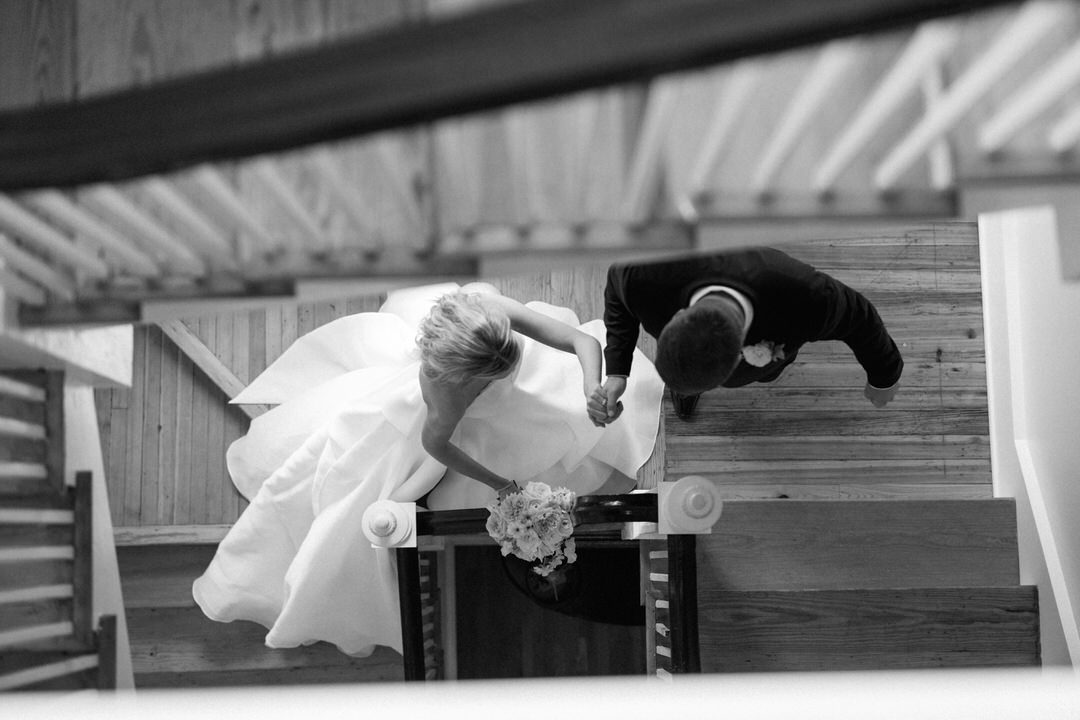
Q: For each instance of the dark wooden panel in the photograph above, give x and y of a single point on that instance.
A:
(161, 575)
(868, 629)
(36, 56)
(26, 411)
(22, 450)
(30, 535)
(34, 574)
(793, 544)
(511, 53)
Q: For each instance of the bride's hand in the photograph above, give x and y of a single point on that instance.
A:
(509, 489)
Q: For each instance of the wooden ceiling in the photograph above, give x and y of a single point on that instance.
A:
(885, 125)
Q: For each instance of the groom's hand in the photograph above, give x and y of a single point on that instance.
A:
(613, 389)
(880, 397)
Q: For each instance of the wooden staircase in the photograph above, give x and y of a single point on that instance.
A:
(174, 645)
(49, 639)
(845, 585)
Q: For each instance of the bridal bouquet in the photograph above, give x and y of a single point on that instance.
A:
(535, 524)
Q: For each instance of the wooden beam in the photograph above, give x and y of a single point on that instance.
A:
(34, 231)
(23, 290)
(83, 570)
(646, 166)
(351, 201)
(62, 211)
(831, 65)
(210, 239)
(1065, 133)
(1032, 23)
(942, 171)
(205, 359)
(269, 176)
(107, 201)
(485, 59)
(217, 190)
(928, 45)
(169, 535)
(36, 269)
(1050, 86)
(737, 88)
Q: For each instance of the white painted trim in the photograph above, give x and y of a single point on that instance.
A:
(40, 592)
(35, 516)
(27, 554)
(48, 672)
(35, 632)
(14, 388)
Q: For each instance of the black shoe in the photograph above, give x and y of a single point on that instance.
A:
(684, 404)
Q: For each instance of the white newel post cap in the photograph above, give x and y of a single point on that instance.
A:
(390, 524)
(688, 506)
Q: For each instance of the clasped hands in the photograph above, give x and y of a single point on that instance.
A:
(603, 402)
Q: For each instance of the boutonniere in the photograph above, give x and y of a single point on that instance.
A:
(763, 353)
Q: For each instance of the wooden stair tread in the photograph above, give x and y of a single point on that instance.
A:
(161, 576)
(170, 641)
(800, 544)
(868, 629)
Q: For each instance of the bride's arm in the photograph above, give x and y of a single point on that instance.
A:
(555, 334)
(442, 418)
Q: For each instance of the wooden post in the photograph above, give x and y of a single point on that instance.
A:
(54, 430)
(412, 635)
(682, 599)
(83, 573)
(106, 646)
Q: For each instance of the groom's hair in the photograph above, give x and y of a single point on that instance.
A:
(463, 338)
(700, 347)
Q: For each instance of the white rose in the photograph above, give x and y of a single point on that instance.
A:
(758, 355)
(538, 491)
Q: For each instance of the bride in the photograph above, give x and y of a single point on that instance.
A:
(449, 396)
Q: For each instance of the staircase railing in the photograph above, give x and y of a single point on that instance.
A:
(48, 638)
(590, 512)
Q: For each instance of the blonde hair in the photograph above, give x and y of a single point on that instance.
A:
(463, 338)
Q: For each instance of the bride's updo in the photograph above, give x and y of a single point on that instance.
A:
(463, 339)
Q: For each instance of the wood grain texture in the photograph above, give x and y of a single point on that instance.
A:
(807, 544)
(868, 629)
(182, 640)
(475, 61)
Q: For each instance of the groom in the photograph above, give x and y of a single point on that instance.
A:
(732, 318)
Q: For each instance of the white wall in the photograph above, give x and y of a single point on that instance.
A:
(82, 446)
(1032, 326)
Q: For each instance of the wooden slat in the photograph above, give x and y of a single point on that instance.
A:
(34, 268)
(36, 516)
(1033, 23)
(21, 289)
(28, 554)
(22, 224)
(486, 59)
(21, 429)
(269, 175)
(797, 544)
(1052, 84)
(742, 80)
(830, 67)
(10, 638)
(217, 190)
(159, 242)
(107, 644)
(645, 168)
(868, 629)
(33, 594)
(41, 673)
(36, 471)
(60, 210)
(929, 43)
(198, 228)
(169, 535)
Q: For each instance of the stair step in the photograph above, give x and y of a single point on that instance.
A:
(161, 575)
(778, 630)
(177, 647)
(804, 544)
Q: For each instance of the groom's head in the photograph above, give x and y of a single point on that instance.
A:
(701, 345)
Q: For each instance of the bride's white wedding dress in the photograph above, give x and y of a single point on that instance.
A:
(346, 432)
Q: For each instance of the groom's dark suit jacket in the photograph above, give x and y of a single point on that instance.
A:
(793, 304)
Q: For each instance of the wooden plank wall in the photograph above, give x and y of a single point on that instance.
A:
(811, 434)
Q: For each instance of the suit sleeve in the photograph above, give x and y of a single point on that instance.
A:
(622, 327)
(854, 320)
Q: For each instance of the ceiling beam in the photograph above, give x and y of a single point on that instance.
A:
(490, 58)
